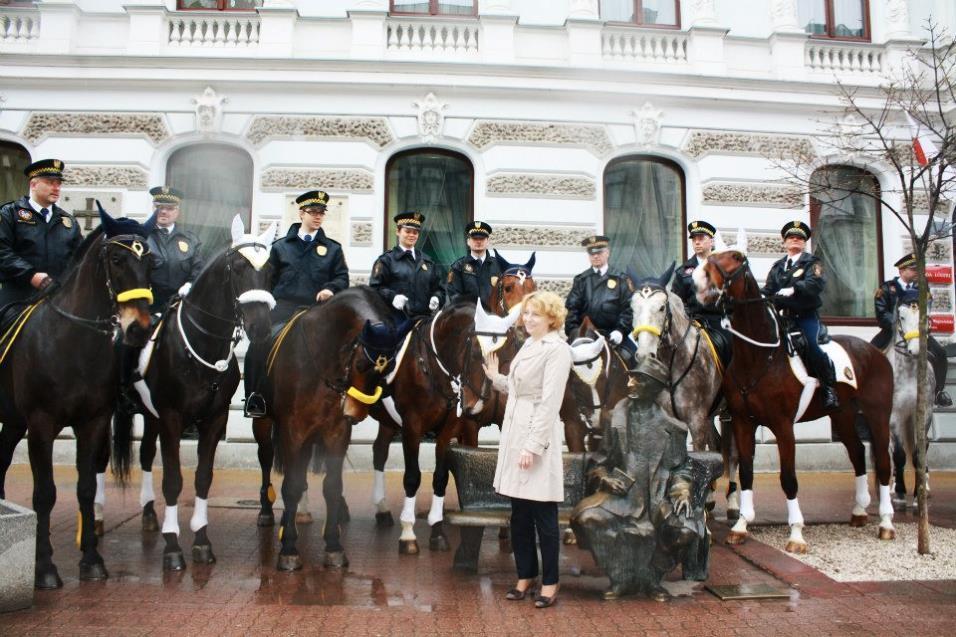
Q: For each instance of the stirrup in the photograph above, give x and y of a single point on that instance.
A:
(943, 399)
(830, 399)
(255, 406)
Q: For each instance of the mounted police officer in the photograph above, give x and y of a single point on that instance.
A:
(176, 251)
(702, 239)
(307, 267)
(603, 295)
(405, 276)
(37, 237)
(476, 273)
(795, 284)
(885, 301)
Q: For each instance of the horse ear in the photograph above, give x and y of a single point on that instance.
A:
(719, 244)
(108, 223)
(741, 241)
(366, 331)
(149, 225)
(238, 230)
(502, 262)
(267, 237)
(633, 276)
(666, 277)
(530, 264)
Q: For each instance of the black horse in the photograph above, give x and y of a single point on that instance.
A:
(58, 369)
(189, 376)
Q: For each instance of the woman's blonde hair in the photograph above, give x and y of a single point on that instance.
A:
(547, 304)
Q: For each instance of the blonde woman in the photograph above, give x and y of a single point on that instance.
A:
(529, 469)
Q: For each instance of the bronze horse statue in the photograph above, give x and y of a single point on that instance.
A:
(58, 368)
(761, 388)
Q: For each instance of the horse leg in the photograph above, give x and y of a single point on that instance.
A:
(878, 418)
(575, 432)
(40, 445)
(386, 433)
(407, 542)
(172, 486)
(90, 441)
(744, 434)
(332, 491)
(846, 426)
(899, 471)
(209, 435)
(293, 484)
(786, 446)
(10, 437)
(99, 500)
(436, 515)
(262, 431)
(147, 454)
(729, 451)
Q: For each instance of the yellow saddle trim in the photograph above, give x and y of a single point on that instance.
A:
(280, 338)
(10, 336)
(710, 346)
(135, 293)
(368, 399)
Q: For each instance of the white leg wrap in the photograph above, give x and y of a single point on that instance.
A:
(794, 515)
(733, 501)
(200, 515)
(437, 512)
(740, 526)
(747, 505)
(378, 489)
(408, 532)
(796, 534)
(171, 520)
(886, 504)
(97, 511)
(146, 494)
(862, 495)
(408, 511)
(100, 497)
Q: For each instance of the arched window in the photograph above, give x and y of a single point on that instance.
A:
(441, 185)
(845, 216)
(13, 183)
(217, 182)
(644, 213)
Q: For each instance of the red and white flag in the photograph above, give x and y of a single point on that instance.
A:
(925, 150)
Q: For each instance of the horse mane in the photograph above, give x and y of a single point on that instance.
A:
(679, 317)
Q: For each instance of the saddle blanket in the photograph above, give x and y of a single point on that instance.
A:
(841, 364)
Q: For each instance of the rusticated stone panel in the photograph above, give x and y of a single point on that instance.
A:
(702, 143)
(921, 203)
(350, 179)
(561, 287)
(592, 137)
(358, 279)
(538, 185)
(942, 299)
(361, 233)
(132, 177)
(740, 193)
(757, 244)
(40, 125)
(374, 129)
(938, 252)
(540, 236)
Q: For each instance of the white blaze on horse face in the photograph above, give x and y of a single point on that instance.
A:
(649, 306)
(701, 281)
(909, 326)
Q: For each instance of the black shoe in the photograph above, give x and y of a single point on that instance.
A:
(830, 400)
(255, 406)
(943, 399)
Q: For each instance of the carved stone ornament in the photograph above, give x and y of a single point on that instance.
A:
(209, 111)
(701, 143)
(538, 185)
(752, 194)
(647, 125)
(373, 129)
(763, 244)
(431, 119)
(533, 237)
(361, 233)
(704, 12)
(942, 299)
(921, 203)
(561, 287)
(587, 9)
(489, 132)
(131, 177)
(938, 252)
(41, 125)
(783, 15)
(897, 18)
(348, 179)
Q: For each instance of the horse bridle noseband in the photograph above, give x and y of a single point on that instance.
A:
(380, 364)
(455, 381)
(514, 272)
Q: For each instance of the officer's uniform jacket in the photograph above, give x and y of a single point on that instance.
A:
(395, 272)
(300, 271)
(467, 278)
(176, 260)
(684, 287)
(885, 300)
(28, 245)
(606, 300)
(807, 280)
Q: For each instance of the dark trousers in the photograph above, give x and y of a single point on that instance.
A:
(937, 358)
(819, 362)
(528, 516)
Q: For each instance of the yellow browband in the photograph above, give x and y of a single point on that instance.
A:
(135, 293)
(909, 336)
(365, 398)
(656, 331)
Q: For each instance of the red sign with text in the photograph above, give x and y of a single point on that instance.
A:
(941, 323)
(939, 274)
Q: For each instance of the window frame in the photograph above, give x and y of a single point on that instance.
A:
(829, 12)
(815, 210)
(639, 11)
(433, 11)
(220, 7)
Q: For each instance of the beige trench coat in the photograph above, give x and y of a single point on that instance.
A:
(535, 389)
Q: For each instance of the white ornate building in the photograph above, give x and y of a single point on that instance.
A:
(550, 119)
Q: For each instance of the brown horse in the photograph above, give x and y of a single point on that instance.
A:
(761, 389)
(513, 285)
(58, 369)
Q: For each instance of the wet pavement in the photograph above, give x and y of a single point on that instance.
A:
(383, 593)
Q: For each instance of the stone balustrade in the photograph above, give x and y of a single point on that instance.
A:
(644, 45)
(223, 30)
(19, 25)
(833, 57)
(432, 36)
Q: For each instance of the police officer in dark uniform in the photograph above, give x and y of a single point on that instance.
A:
(702, 239)
(37, 237)
(603, 295)
(307, 267)
(885, 301)
(476, 273)
(796, 283)
(176, 250)
(406, 277)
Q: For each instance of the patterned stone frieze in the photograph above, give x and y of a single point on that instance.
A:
(701, 143)
(374, 129)
(590, 136)
(540, 236)
(561, 287)
(349, 179)
(758, 244)
(559, 186)
(361, 233)
(921, 203)
(358, 279)
(743, 193)
(40, 125)
(132, 177)
(939, 252)
(942, 299)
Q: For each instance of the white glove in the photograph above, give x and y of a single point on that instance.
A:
(399, 301)
(785, 292)
(615, 337)
(433, 303)
(186, 287)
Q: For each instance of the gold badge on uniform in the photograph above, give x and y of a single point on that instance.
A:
(494, 280)
(818, 270)
(798, 273)
(425, 267)
(468, 268)
(611, 284)
(183, 246)
(67, 222)
(321, 250)
(451, 276)
(377, 270)
(26, 215)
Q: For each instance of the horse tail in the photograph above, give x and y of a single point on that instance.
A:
(122, 455)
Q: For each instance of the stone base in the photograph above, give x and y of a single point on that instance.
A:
(18, 532)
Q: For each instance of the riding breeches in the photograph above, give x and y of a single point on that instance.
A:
(818, 361)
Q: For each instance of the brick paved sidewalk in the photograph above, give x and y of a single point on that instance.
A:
(382, 593)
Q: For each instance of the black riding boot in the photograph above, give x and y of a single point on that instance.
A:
(828, 385)
(940, 363)
(255, 406)
(128, 398)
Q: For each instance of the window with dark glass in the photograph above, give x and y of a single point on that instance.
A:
(644, 213)
(841, 19)
(217, 181)
(649, 13)
(845, 216)
(434, 7)
(439, 184)
(219, 5)
(13, 183)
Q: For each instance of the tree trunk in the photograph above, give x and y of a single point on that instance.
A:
(922, 405)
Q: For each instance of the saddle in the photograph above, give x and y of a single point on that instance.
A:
(720, 343)
(797, 342)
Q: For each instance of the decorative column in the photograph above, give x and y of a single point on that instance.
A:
(277, 20)
(58, 20)
(498, 21)
(705, 48)
(368, 29)
(788, 41)
(584, 33)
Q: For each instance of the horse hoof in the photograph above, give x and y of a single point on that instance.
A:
(94, 572)
(98, 528)
(384, 519)
(303, 517)
(569, 539)
(408, 547)
(735, 537)
(797, 548)
(174, 561)
(202, 554)
(887, 534)
(336, 559)
(438, 543)
(47, 580)
(858, 520)
(266, 519)
(733, 515)
(289, 563)
(150, 521)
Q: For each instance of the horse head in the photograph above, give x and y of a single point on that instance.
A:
(514, 283)
(246, 277)
(492, 333)
(651, 305)
(372, 358)
(722, 276)
(907, 320)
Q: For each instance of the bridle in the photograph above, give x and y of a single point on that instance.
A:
(381, 360)
(726, 304)
(904, 337)
(515, 273)
(455, 380)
